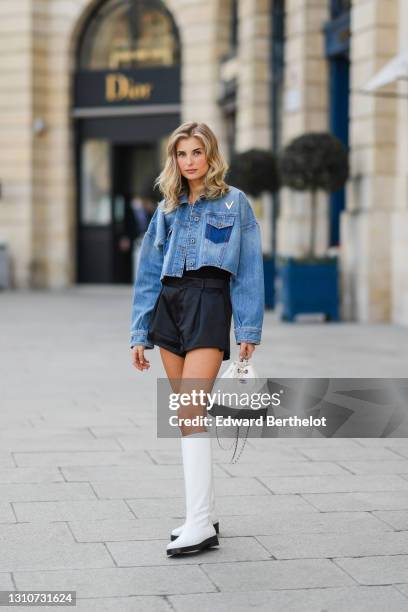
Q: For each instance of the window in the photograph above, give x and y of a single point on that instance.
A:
(95, 183)
(339, 7)
(234, 26)
(129, 34)
(277, 61)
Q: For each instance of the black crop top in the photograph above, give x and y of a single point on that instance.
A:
(207, 272)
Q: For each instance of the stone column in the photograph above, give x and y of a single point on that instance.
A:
(53, 205)
(365, 225)
(16, 150)
(253, 100)
(399, 221)
(305, 109)
(203, 42)
(253, 95)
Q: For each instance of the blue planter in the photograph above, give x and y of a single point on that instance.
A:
(309, 287)
(269, 280)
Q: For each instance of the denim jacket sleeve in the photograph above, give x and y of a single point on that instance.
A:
(247, 287)
(147, 284)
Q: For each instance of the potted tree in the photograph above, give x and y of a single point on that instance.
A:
(313, 161)
(255, 171)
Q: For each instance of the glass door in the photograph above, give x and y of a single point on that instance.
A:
(134, 169)
(95, 212)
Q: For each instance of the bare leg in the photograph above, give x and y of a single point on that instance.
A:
(202, 366)
(173, 364)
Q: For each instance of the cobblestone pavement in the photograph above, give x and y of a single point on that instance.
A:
(88, 494)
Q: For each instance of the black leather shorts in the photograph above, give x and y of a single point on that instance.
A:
(192, 313)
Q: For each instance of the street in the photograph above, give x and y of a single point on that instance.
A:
(89, 495)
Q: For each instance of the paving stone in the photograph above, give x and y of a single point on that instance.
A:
(45, 431)
(300, 443)
(113, 430)
(46, 492)
(403, 588)
(81, 418)
(375, 467)
(334, 483)
(225, 505)
(336, 599)
(82, 458)
(329, 545)
(95, 417)
(111, 530)
(151, 552)
(398, 519)
(370, 500)
(8, 420)
(376, 570)
(382, 442)
(92, 510)
(57, 443)
(262, 575)
(352, 453)
(6, 513)
(149, 603)
(172, 487)
(391, 443)
(119, 581)
(126, 473)
(6, 583)
(31, 546)
(266, 457)
(284, 468)
(6, 460)
(147, 440)
(29, 475)
(305, 522)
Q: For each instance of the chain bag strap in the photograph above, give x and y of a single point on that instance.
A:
(245, 375)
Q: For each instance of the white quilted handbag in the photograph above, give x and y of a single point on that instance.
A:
(246, 378)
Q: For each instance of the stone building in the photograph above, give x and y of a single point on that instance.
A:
(332, 49)
(90, 89)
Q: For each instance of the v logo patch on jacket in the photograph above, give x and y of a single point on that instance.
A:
(229, 205)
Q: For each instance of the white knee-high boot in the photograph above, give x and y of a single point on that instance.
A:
(198, 531)
(213, 516)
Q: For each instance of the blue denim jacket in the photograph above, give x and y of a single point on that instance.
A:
(222, 232)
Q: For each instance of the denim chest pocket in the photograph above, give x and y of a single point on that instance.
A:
(219, 227)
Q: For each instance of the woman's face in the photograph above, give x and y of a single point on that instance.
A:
(191, 158)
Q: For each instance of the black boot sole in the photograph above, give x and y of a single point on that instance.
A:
(216, 527)
(212, 541)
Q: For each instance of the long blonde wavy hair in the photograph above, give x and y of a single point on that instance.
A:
(171, 182)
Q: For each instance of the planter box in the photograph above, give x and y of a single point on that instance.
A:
(309, 287)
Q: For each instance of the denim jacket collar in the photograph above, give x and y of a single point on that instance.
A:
(183, 197)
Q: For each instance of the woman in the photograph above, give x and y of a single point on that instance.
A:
(200, 263)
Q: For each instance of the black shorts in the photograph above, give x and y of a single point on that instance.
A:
(192, 313)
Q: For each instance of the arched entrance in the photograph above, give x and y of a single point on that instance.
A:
(126, 102)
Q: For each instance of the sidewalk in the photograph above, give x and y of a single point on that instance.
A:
(88, 495)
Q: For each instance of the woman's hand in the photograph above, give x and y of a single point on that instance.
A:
(246, 350)
(138, 359)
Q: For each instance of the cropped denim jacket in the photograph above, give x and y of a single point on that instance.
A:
(222, 232)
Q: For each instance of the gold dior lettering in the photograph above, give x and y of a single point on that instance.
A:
(121, 87)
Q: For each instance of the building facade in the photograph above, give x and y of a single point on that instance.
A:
(90, 89)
